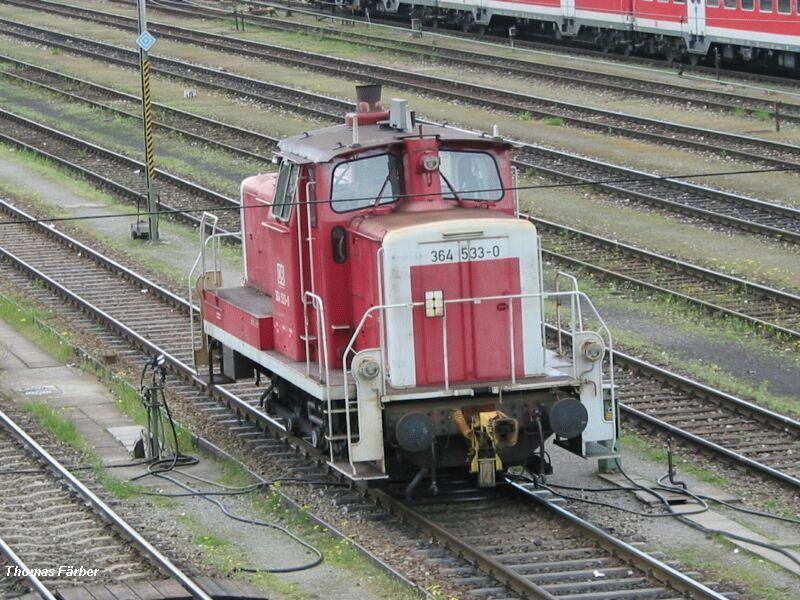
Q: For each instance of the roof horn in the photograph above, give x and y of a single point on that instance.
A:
(368, 98)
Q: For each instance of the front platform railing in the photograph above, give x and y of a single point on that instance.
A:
(573, 298)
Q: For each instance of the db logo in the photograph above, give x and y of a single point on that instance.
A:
(281, 275)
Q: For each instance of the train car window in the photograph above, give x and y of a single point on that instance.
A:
(365, 182)
(285, 191)
(765, 5)
(748, 4)
(470, 176)
(680, 1)
(730, 3)
(784, 7)
(712, 3)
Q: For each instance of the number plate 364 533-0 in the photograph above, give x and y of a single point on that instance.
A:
(463, 251)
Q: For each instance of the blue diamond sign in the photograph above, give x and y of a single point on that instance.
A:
(145, 41)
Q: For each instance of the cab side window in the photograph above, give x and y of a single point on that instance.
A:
(285, 191)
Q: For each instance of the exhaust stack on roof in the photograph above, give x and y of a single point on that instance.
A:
(368, 98)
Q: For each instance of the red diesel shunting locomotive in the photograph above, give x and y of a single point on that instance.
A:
(394, 302)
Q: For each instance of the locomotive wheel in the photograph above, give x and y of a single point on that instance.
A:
(291, 424)
(318, 438)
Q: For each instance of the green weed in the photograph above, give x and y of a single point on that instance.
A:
(763, 115)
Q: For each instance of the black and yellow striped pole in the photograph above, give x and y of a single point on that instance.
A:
(145, 41)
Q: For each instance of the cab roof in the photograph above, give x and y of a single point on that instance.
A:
(323, 145)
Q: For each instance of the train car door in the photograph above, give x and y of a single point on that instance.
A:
(568, 9)
(696, 17)
(281, 230)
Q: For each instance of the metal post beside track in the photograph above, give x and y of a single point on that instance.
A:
(145, 41)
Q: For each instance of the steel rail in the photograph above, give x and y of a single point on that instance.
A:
(88, 86)
(621, 181)
(131, 163)
(479, 95)
(125, 114)
(105, 510)
(723, 101)
(229, 398)
(475, 556)
(175, 69)
(240, 405)
(33, 581)
(658, 569)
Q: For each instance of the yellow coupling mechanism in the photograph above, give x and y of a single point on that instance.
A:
(488, 431)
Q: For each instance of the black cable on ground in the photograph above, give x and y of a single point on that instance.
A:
(159, 468)
(656, 491)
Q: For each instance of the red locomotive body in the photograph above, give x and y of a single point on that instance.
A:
(395, 302)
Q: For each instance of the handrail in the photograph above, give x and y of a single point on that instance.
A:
(574, 281)
(319, 306)
(201, 259)
(215, 237)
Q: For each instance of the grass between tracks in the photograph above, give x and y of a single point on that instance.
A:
(658, 455)
(42, 328)
(754, 577)
(272, 507)
(206, 165)
(179, 243)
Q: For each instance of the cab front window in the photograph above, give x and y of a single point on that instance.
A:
(470, 176)
(365, 182)
(285, 191)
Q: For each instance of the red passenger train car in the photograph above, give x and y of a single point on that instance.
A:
(757, 31)
(393, 305)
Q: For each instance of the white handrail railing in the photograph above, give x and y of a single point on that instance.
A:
(574, 295)
(215, 237)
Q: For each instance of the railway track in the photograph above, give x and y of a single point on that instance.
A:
(157, 321)
(731, 210)
(772, 310)
(114, 171)
(725, 208)
(50, 519)
(492, 63)
(554, 553)
(775, 154)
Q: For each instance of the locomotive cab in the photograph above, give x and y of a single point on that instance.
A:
(393, 302)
